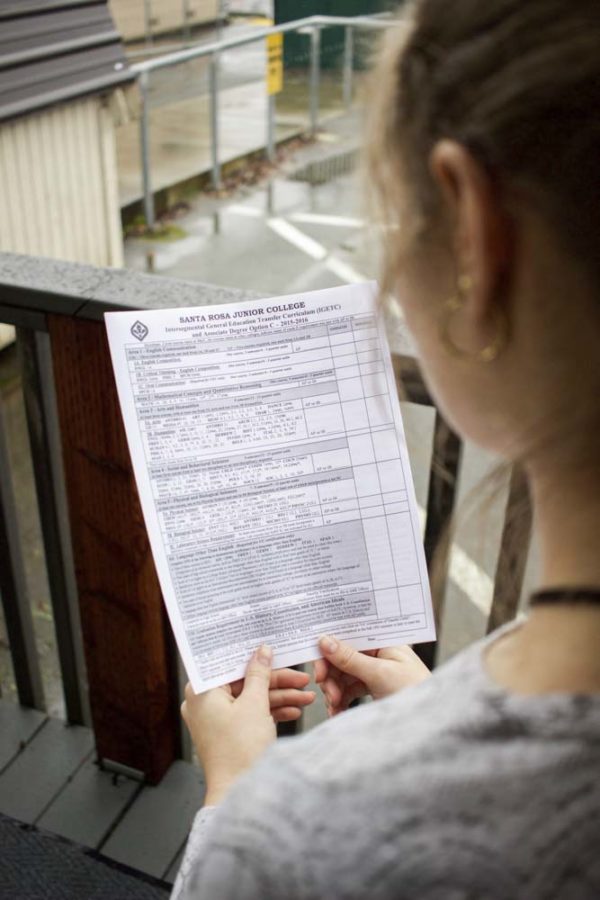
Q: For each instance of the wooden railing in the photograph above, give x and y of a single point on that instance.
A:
(118, 661)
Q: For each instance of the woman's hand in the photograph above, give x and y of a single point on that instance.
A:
(287, 696)
(345, 674)
(232, 726)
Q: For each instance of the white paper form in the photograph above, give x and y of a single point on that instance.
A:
(271, 464)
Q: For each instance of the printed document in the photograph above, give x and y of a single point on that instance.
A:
(271, 464)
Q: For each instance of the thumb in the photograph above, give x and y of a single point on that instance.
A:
(347, 659)
(258, 677)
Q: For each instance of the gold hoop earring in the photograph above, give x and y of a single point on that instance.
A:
(452, 305)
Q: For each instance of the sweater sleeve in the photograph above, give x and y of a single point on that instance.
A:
(213, 869)
(248, 847)
(194, 849)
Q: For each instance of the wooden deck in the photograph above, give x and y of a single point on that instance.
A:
(49, 778)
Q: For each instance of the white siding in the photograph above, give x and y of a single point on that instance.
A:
(58, 186)
(164, 15)
(6, 335)
(254, 7)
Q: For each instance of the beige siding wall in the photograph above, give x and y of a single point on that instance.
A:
(58, 185)
(164, 15)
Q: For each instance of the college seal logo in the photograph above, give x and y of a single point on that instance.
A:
(139, 330)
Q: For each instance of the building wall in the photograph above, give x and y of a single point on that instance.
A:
(133, 17)
(251, 7)
(58, 184)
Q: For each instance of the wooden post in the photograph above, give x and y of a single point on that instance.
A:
(44, 441)
(441, 497)
(514, 549)
(443, 476)
(13, 590)
(131, 670)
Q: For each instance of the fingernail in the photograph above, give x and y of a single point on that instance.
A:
(264, 654)
(328, 644)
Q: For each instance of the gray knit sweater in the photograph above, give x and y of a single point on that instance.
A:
(450, 789)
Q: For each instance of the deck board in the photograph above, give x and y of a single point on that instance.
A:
(89, 805)
(50, 779)
(154, 829)
(18, 725)
(171, 873)
(43, 767)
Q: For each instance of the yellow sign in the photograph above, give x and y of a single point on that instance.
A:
(274, 63)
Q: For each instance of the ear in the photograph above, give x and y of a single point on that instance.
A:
(482, 229)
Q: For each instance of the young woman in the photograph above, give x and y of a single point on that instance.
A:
(483, 779)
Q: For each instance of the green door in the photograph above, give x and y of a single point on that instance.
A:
(296, 46)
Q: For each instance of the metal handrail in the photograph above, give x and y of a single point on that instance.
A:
(311, 25)
(179, 56)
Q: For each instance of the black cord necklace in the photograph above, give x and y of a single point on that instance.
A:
(565, 595)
